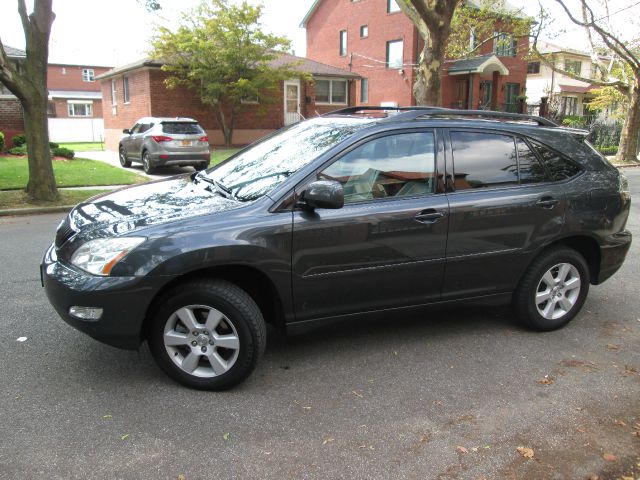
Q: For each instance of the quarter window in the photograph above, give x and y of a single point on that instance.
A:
(394, 166)
(530, 168)
(559, 167)
(482, 160)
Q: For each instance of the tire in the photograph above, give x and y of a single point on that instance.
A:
(201, 166)
(221, 314)
(553, 289)
(124, 161)
(146, 163)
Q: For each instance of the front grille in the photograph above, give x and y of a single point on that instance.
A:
(64, 233)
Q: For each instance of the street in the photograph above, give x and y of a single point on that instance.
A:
(450, 394)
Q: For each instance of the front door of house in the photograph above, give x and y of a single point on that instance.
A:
(291, 102)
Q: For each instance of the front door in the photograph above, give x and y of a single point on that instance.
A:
(385, 248)
(291, 102)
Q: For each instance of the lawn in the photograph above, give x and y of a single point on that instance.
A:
(69, 173)
(19, 199)
(220, 154)
(83, 146)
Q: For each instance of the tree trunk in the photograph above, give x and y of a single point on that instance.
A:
(42, 183)
(628, 146)
(427, 88)
(227, 130)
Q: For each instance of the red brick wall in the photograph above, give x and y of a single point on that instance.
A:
(72, 78)
(323, 41)
(139, 105)
(11, 121)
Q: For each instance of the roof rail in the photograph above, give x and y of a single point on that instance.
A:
(413, 113)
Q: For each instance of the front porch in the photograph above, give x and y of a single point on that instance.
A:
(481, 83)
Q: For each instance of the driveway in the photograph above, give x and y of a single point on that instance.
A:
(112, 159)
(450, 394)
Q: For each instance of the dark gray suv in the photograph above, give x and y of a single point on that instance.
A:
(356, 212)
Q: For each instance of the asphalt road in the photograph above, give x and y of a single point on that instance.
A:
(446, 395)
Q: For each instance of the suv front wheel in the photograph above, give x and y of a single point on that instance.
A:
(552, 290)
(207, 334)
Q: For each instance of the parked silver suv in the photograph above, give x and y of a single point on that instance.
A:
(158, 142)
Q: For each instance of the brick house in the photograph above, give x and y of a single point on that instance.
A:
(75, 103)
(376, 40)
(138, 90)
(11, 118)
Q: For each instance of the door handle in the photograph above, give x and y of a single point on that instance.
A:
(547, 202)
(430, 215)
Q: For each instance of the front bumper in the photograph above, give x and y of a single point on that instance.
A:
(612, 254)
(172, 158)
(124, 301)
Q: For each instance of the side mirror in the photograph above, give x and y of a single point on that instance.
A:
(324, 194)
(126, 131)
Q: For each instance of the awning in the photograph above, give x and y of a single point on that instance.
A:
(78, 95)
(483, 64)
(575, 88)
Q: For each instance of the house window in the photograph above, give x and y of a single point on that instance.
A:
(125, 88)
(87, 74)
(114, 99)
(394, 54)
(364, 91)
(364, 31)
(392, 6)
(331, 91)
(79, 109)
(573, 66)
(51, 109)
(504, 45)
(343, 43)
(533, 67)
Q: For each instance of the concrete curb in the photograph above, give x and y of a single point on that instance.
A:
(632, 165)
(35, 210)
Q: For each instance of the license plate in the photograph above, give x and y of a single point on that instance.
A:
(186, 143)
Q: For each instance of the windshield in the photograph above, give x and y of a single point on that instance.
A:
(267, 164)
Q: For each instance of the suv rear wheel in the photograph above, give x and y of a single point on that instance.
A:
(124, 161)
(207, 334)
(146, 163)
(552, 290)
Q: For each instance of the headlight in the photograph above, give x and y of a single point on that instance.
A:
(99, 256)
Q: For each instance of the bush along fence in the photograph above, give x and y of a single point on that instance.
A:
(20, 148)
(604, 133)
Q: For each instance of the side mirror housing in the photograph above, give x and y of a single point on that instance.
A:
(126, 131)
(324, 194)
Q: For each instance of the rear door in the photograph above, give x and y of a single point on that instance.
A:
(385, 248)
(503, 207)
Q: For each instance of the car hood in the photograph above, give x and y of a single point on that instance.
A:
(134, 208)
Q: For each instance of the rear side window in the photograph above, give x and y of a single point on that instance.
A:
(182, 128)
(482, 160)
(531, 170)
(559, 167)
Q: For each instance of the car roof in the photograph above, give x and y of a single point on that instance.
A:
(166, 120)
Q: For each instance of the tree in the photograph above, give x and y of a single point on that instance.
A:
(446, 26)
(28, 82)
(622, 73)
(221, 52)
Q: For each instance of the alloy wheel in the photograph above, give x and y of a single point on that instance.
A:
(558, 291)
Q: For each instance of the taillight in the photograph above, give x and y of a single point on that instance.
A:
(204, 139)
(161, 138)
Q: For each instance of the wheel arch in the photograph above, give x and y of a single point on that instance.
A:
(252, 280)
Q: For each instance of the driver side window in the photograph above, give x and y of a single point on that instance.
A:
(400, 165)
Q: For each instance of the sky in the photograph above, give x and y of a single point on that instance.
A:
(116, 32)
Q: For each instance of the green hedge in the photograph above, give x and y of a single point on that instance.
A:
(18, 140)
(18, 151)
(1, 141)
(611, 150)
(63, 152)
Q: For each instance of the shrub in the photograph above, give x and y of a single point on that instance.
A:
(607, 150)
(18, 150)
(63, 152)
(18, 140)
(53, 145)
(1, 141)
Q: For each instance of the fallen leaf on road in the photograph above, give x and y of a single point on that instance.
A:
(594, 477)
(424, 438)
(107, 416)
(307, 408)
(355, 392)
(612, 346)
(437, 402)
(525, 452)
(461, 449)
(182, 477)
(546, 380)
(636, 433)
(474, 449)
(620, 423)
(626, 478)
(21, 339)
(327, 440)
(124, 437)
(609, 457)
(226, 436)
(395, 353)
(628, 370)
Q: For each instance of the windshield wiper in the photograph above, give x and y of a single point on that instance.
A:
(222, 189)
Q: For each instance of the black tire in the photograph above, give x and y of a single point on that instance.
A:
(146, 163)
(201, 166)
(237, 308)
(124, 161)
(533, 283)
